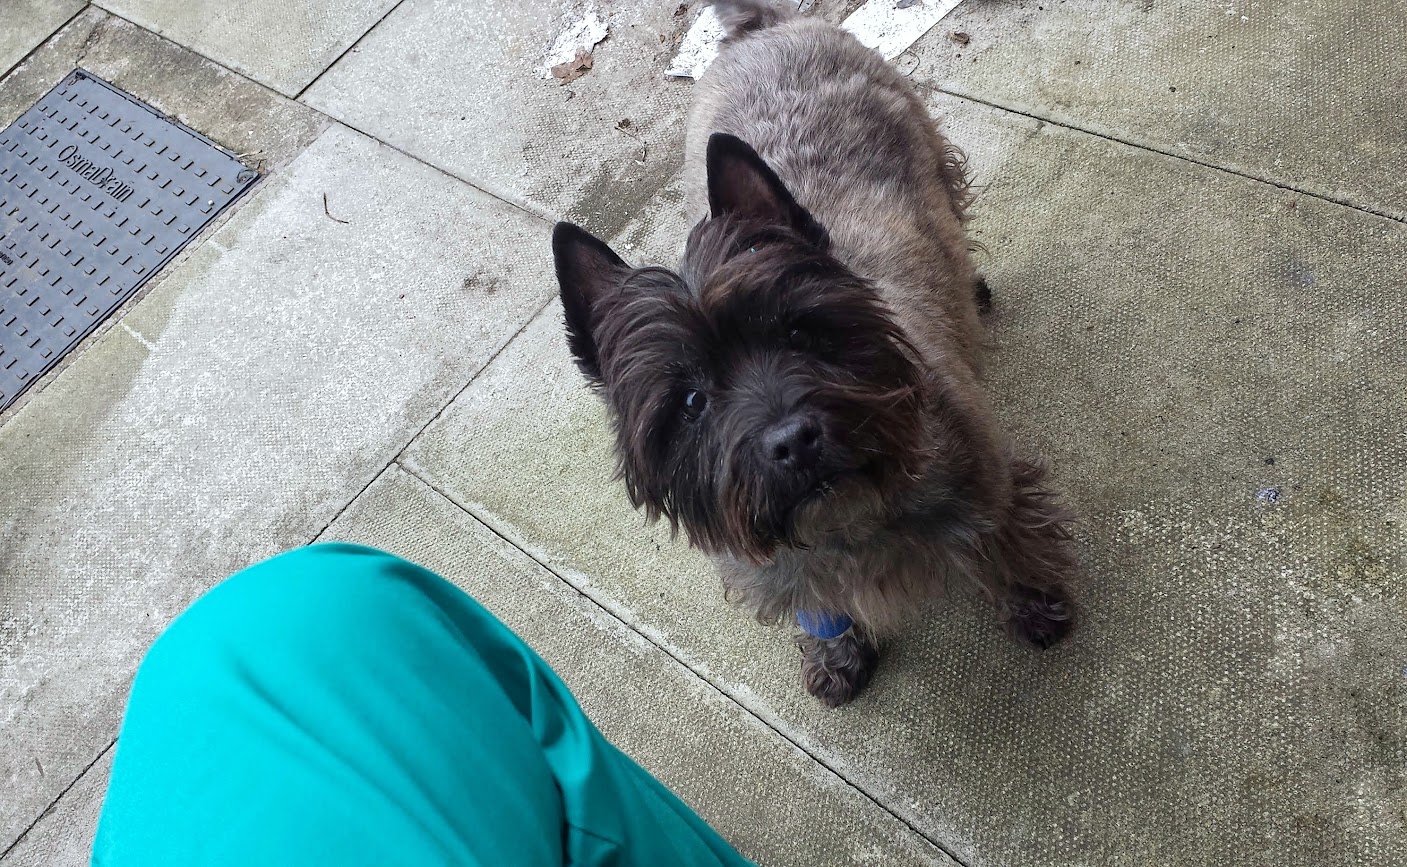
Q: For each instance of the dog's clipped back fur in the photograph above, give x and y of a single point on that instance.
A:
(740, 17)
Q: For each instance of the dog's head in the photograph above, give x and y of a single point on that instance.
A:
(757, 386)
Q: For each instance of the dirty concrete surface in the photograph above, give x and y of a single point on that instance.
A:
(28, 23)
(279, 44)
(1193, 222)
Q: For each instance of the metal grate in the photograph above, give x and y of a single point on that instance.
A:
(97, 192)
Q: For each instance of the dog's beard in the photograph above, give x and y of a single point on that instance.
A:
(874, 454)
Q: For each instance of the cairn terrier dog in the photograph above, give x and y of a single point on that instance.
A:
(802, 396)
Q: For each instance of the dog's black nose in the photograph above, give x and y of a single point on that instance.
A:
(794, 442)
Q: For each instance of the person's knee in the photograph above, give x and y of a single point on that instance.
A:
(325, 595)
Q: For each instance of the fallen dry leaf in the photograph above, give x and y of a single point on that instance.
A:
(570, 70)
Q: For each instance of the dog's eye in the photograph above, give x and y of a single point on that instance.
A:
(694, 403)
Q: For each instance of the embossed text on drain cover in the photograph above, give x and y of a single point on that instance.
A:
(97, 192)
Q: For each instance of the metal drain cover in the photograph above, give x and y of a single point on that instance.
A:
(97, 192)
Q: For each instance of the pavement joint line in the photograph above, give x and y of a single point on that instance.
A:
(298, 97)
(54, 803)
(264, 174)
(625, 618)
(439, 412)
(222, 67)
(1287, 187)
(523, 207)
(5, 73)
(543, 215)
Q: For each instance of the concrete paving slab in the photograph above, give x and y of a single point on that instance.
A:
(1235, 695)
(1305, 93)
(63, 837)
(231, 414)
(25, 24)
(458, 85)
(266, 129)
(770, 799)
(282, 45)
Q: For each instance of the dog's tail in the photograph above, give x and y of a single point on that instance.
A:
(741, 17)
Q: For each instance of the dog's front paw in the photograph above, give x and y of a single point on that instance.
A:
(1041, 618)
(836, 669)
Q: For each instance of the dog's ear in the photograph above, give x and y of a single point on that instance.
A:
(587, 269)
(741, 184)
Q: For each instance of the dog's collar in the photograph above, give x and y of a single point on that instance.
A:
(824, 624)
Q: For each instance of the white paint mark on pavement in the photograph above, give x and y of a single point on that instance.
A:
(879, 24)
(890, 30)
(700, 45)
(140, 339)
(580, 36)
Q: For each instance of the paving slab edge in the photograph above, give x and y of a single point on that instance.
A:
(53, 805)
(5, 73)
(1323, 194)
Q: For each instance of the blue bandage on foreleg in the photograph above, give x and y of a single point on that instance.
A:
(823, 624)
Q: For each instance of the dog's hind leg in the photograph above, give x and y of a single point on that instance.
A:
(1033, 559)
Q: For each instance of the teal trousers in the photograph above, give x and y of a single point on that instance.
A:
(340, 706)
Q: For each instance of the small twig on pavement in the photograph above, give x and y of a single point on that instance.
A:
(623, 125)
(329, 213)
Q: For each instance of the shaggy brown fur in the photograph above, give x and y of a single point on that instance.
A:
(802, 396)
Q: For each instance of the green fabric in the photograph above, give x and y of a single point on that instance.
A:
(337, 705)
